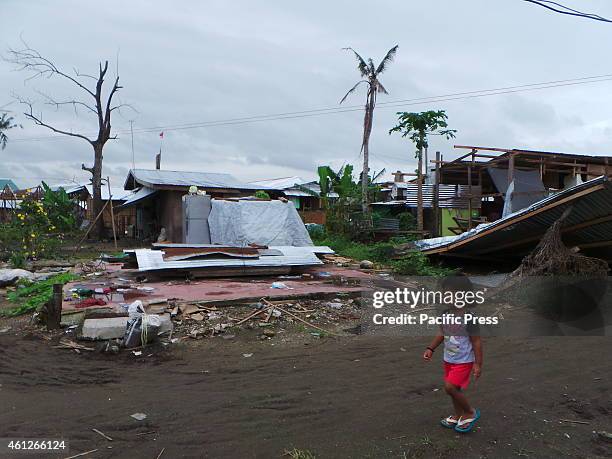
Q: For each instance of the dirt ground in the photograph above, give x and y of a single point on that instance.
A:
(348, 397)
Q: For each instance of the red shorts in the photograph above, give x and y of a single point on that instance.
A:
(458, 374)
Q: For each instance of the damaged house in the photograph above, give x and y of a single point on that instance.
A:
(521, 193)
(304, 195)
(156, 195)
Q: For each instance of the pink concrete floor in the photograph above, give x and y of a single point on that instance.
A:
(225, 289)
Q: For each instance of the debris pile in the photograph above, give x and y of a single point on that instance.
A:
(552, 258)
(320, 317)
(206, 260)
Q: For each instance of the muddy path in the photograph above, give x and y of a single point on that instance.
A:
(346, 398)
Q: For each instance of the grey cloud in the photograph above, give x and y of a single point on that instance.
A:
(191, 61)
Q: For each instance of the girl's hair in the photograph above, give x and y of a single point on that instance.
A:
(456, 283)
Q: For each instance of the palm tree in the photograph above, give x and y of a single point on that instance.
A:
(6, 123)
(369, 73)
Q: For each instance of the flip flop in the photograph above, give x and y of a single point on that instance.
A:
(449, 422)
(466, 425)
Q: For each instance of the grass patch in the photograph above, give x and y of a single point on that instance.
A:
(31, 296)
(412, 264)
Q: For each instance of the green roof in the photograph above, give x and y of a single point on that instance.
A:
(9, 182)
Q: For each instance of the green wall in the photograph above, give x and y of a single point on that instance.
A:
(447, 218)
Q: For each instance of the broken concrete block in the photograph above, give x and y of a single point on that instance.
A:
(102, 329)
(166, 324)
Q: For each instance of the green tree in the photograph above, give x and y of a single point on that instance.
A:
(6, 123)
(369, 73)
(417, 127)
(341, 209)
(260, 194)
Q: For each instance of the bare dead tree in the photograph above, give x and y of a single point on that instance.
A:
(94, 100)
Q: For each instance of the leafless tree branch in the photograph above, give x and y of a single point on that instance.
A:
(37, 119)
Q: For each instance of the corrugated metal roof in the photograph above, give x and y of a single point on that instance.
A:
(9, 182)
(152, 260)
(280, 183)
(589, 225)
(160, 178)
(137, 196)
(313, 186)
(449, 196)
(118, 194)
(69, 188)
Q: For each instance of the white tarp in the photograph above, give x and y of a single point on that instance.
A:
(241, 223)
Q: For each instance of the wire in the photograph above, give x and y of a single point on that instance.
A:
(566, 10)
(354, 108)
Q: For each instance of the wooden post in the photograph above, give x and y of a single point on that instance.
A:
(470, 196)
(420, 193)
(112, 212)
(436, 197)
(76, 249)
(510, 169)
(54, 308)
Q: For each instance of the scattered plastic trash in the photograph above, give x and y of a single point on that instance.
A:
(279, 285)
(89, 302)
(247, 355)
(324, 274)
(139, 416)
(141, 328)
(137, 353)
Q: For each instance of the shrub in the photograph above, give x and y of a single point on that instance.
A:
(412, 264)
(32, 295)
(38, 227)
(262, 195)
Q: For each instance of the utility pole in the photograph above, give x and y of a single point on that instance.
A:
(132, 133)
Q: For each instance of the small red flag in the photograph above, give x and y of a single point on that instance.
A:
(161, 134)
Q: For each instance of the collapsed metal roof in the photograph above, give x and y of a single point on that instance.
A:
(152, 260)
(156, 178)
(588, 226)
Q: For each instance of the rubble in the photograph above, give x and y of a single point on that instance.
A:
(10, 277)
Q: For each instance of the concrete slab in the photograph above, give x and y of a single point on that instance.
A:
(103, 329)
(227, 290)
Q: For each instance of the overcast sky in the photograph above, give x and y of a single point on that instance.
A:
(196, 61)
